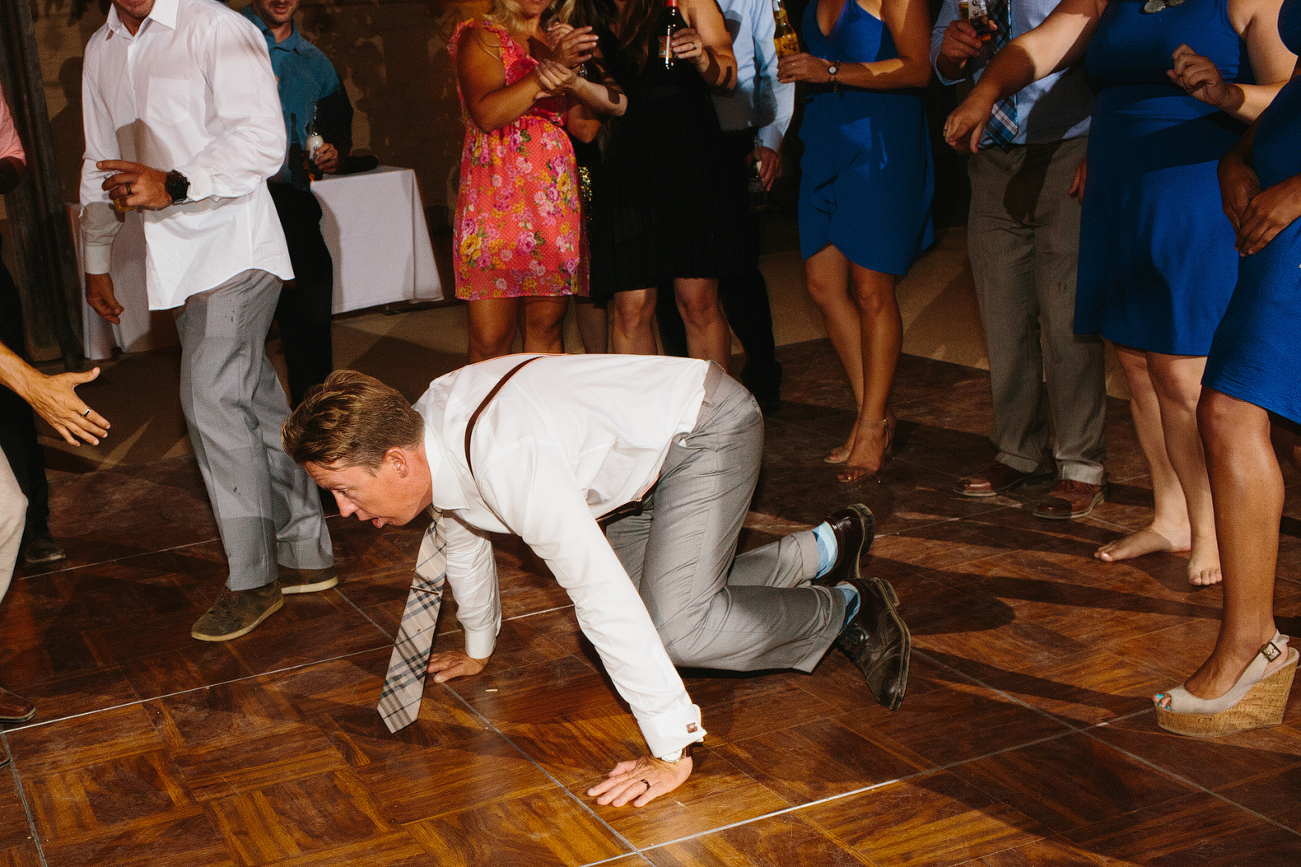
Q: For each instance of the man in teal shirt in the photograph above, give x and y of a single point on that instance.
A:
(310, 92)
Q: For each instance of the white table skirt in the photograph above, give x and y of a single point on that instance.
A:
(373, 223)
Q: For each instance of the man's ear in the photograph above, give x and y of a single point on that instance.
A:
(397, 457)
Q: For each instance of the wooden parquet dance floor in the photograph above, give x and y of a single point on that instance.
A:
(1026, 738)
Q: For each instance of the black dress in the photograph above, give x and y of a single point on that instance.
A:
(661, 209)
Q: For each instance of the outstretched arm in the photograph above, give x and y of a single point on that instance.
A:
(54, 398)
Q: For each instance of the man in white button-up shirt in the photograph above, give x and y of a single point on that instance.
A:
(183, 125)
(570, 439)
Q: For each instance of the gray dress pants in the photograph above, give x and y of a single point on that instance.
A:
(1023, 241)
(714, 609)
(266, 506)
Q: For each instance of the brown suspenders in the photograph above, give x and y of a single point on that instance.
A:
(474, 417)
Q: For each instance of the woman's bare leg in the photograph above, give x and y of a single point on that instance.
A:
(492, 325)
(1178, 383)
(881, 338)
(593, 326)
(1248, 488)
(544, 324)
(826, 274)
(632, 315)
(708, 335)
(1169, 530)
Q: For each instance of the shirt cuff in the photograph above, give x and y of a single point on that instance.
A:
(99, 225)
(200, 182)
(770, 138)
(669, 732)
(480, 645)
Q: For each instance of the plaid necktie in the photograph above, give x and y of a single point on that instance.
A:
(399, 703)
(1002, 127)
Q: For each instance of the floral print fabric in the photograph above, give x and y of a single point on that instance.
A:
(518, 229)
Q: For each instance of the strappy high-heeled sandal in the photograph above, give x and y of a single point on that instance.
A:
(887, 433)
(1257, 700)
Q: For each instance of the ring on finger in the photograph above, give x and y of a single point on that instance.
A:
(648, 785)
(128, 188)
(86, 414)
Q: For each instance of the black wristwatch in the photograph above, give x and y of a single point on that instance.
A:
(177, 186)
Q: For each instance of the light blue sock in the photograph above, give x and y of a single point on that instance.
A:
(851, 601)
(827, 547)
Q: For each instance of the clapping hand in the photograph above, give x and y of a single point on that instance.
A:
(555, 78)
(1200, 77)
(571, 46)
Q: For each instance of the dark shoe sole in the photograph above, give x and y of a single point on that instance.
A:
(1028, 480)
(10, 720)
(279, 603)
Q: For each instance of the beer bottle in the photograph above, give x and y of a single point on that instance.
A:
(671, 23)
(314, 141)
(784, 36)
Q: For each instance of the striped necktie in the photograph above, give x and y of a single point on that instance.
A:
(1002, 127)
(399, 703)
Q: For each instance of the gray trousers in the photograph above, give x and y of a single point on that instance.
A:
(1023, 241)
(714, 609)
(266, 506)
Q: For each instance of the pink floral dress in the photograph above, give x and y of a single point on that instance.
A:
(518, 229)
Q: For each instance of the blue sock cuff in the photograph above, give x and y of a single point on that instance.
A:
(851, 600)
(827, 548)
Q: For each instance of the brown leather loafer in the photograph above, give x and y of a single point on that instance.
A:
(15, 708)
(995, 479)
(855, 528)
(1069, 499)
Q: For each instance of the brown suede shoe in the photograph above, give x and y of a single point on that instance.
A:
(238, 612)
(1070, 499)
(15, 708)
(995, 479)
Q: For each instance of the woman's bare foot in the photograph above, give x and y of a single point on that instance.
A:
(867, 454)
(1145, 541)
(1204, 564)
(838, 455)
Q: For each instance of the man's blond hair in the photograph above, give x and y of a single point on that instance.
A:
(350, 420)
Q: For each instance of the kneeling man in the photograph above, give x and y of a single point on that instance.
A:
(666, 449)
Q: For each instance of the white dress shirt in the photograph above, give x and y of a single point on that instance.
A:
(192, 91)
(759, 99)
(568, 439)
(10, 144)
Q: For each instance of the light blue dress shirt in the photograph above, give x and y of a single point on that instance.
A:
(759, 100)
(1053, 108)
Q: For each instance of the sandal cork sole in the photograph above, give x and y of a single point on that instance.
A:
(1261, 707)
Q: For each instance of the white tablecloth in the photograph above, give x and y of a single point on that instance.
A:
(373, 223)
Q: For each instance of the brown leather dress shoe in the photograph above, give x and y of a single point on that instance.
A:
(995, 479)
(876, 640)
(15, 708)
(1069, 499)
(855, 528)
